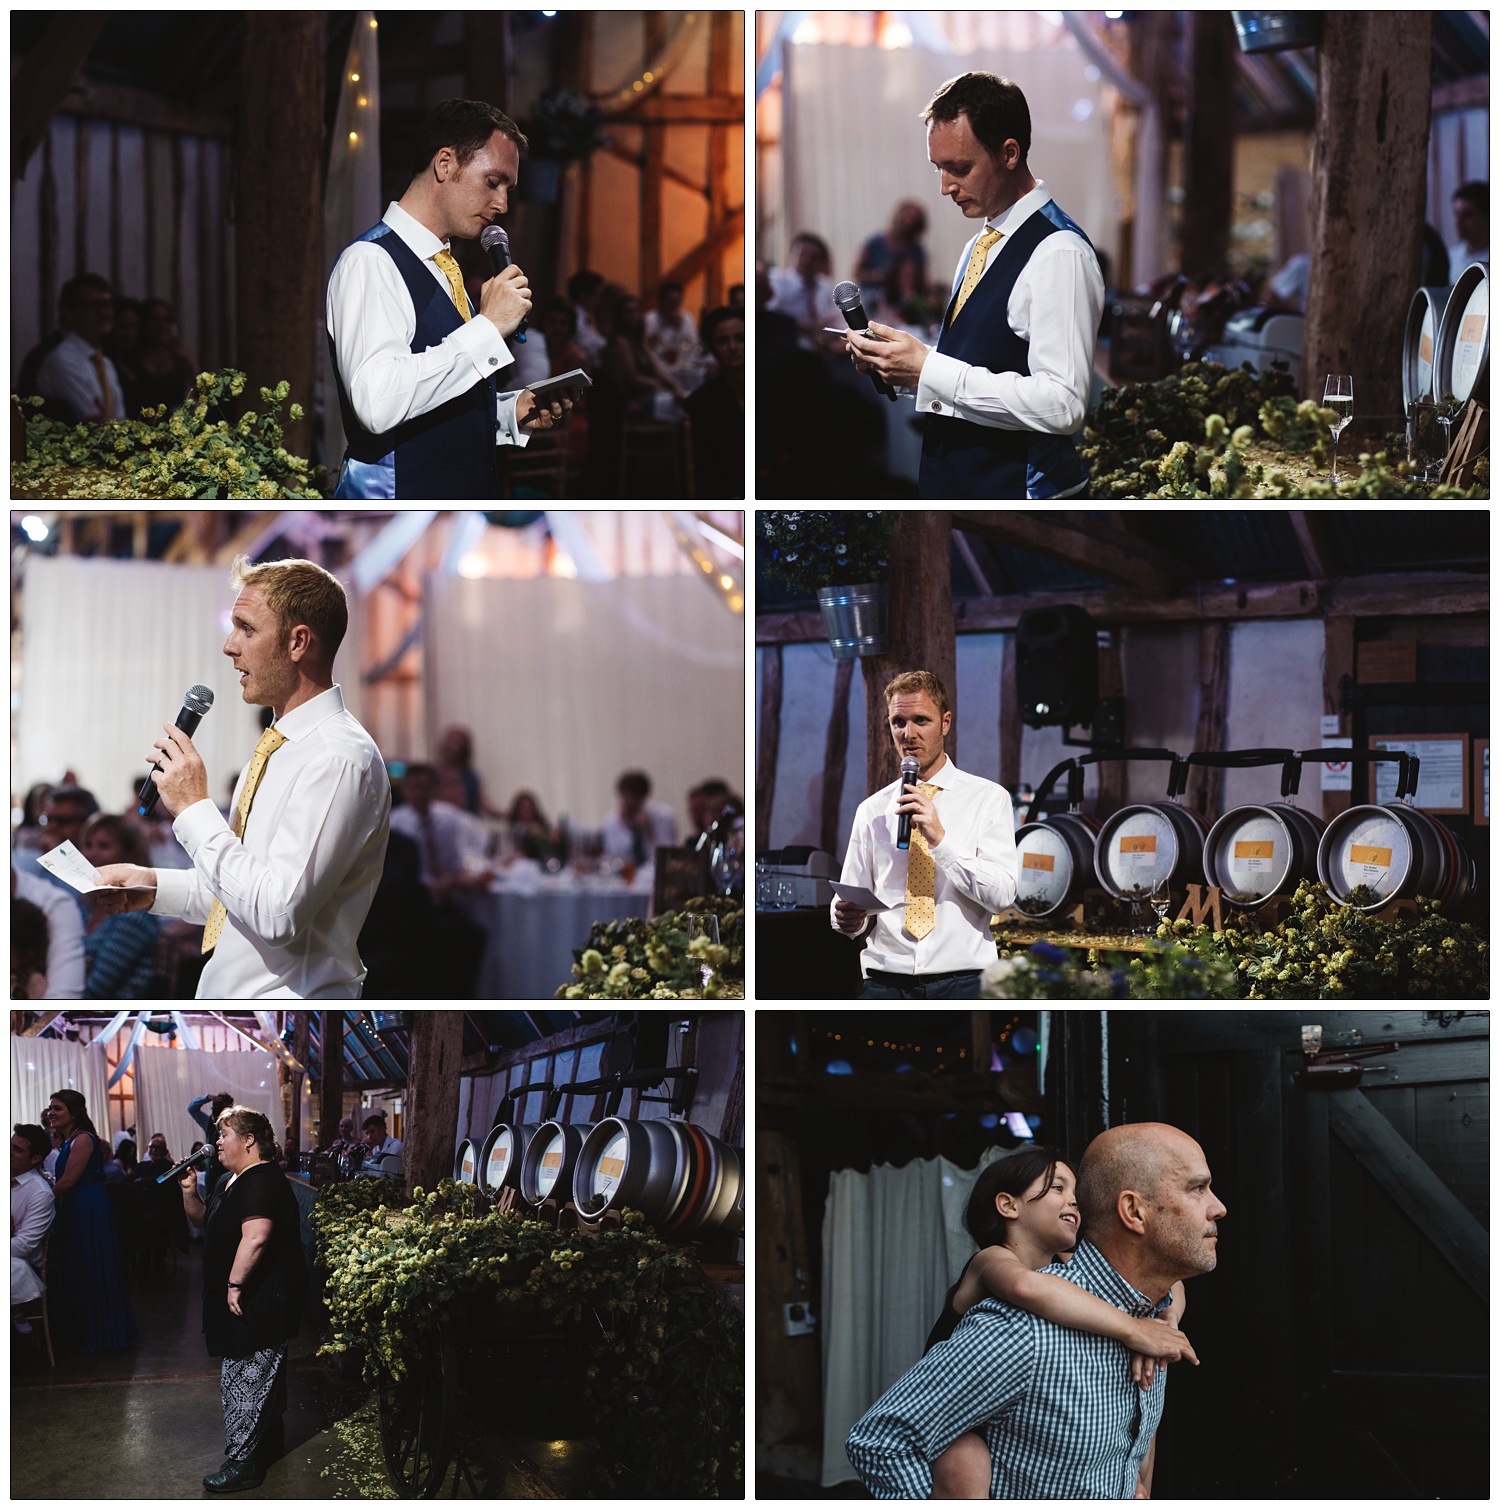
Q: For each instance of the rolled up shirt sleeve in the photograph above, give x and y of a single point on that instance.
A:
(987, 874)
(274, 899)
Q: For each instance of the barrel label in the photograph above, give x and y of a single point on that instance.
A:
(1369, 854)
(1471, 330)
(1033, 861)
(1254, 854)
(1138, 849)
(552, 1159)
(612, 1168)
(1425, 346)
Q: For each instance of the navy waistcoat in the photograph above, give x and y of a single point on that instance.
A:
(449, 452)
(961, 459)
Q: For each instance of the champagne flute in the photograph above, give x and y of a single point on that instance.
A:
(1161, 898)
(1338, 395)
(702, 925)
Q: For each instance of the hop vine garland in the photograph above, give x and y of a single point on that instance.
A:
(631, 959)
(664, 1382)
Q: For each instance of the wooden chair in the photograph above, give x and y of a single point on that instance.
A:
(661, 448)
(36, 1310)
(540, 468)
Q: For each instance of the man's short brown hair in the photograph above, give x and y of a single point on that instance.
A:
(995, 106)
(909, 683)
(464, 125)
(299, 592)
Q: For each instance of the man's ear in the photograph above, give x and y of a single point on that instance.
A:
(1130, 1207)
(299, 642)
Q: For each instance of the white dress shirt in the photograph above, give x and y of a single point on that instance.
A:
(68, 373)
(1055, 305)
(32, 1207)
(448, 838)
(974, 876)
(791, 296)
(616, 833)
(299, 885)
(65, 963)
(372, 322)
(587, 337)
(1459, 257)
(391, 1145)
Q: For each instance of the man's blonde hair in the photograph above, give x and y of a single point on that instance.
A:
(298, 592)
(910, 683)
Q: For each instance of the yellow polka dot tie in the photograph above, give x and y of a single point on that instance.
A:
(271, 741)
(921, 912)
(974, 271)
(449, 266)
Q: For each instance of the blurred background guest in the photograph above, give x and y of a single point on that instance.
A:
(900, 242)
(803, 289)
(529, 830)
(717, 410)
(32, 1209)
(119, 949)
(636, 826)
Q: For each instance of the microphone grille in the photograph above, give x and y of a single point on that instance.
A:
(494, 235)
(845, 294)
(199, 698)
(909, 766)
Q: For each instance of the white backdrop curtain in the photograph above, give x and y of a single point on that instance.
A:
(566, 684)
(108, 649)
(893, 1241)
(853, 143)
(40, 1066)
(167, 1079)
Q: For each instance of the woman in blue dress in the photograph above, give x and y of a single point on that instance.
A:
(89, 1301)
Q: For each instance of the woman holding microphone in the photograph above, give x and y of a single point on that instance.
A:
(254, 1281)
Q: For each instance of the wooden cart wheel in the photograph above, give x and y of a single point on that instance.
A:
(416, 1418)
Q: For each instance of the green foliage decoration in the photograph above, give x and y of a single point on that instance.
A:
(810, 548)
(1046, 972)
(632, 959)
(664, 1374)
(196, 451)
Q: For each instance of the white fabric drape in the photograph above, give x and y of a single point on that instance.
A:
(109, 647)
(41, 1066)
(853, 144)
(167, 1079)
(567, 684)
(893, 1241)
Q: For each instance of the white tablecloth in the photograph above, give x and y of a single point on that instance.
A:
(534, 928)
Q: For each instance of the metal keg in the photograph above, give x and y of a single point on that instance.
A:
(552, 1153)
(1461, 365)
(1054, 863)
(1419, 348)
(1262, 849)
(627, 1163)
(713, 1192)
(466, 1162)
(1151, 841)
(500, 1156)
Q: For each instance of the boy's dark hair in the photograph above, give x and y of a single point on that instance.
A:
(68, 296)
(375, 1119)
(36, 1138)
(1476, 192)
(1014, 1175)
(583, 283)
(635, 784)
(464, 125)
(713, 320)
(29, 938)
(996, 109)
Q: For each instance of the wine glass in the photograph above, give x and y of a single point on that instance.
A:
(702, 925)
(1338, 395)
(1161, 898)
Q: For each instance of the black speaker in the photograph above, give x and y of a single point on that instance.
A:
(1057, 666)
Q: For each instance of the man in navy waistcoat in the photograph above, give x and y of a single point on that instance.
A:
(414, 362)
(1005, 389)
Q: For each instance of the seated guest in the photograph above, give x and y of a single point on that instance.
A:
(346, 1142)
(804, 289)
(161, 368)
(670, 334)
(705, 803)
(584, 290)
(76, 375)
(900, 242)
(65, 810)
(121, 343)
(455, 757)
(59, 947)
(28, 950)
(737, 299)
(158, 1158)
(528, 828)
(32, 1207)
(378, 1141)
(445, 837)
(559, 324)
(637, 828)
(120, 948)
(122, 1164)
(717, 411)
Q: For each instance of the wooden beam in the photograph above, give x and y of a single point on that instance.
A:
(1208, 140)
(984, 1043)
(1462, 94)
(247, 534)
(1010, 718)
(768, 743)
(637, 161)
(1091, 545)
(916, 1091)
(687, 268)
(44, 1020)
(1110, 776)
(436, 1049)
(1338, 662)
(835, 757)
(126, 105)
(1412, 594)
(1400, 1171)
(43, 78)
(1206, 783)
(331, 1083)
(1315, 541)
(686, 110)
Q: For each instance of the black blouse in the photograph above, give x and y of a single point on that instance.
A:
(273, 1293)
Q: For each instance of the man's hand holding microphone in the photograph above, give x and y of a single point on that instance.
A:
(505, 301)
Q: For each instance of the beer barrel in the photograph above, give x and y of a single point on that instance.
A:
(1461, 363)
(1146, 842)
(466, 1163)
(1260, 850)
(1054, 863)
(1396, 850)
(627, 1163)
(552, 1153)
(1419, 348)
(500, 1157)
(713, 1196)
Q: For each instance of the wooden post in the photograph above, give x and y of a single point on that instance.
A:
(767, 743)
(300, 1034)
(436, 1053)
(278, 203)
(984, 1042)
(1205, 788)
(1208, 141)
(922, 636)
(1111, 775)
(835, 756)
(1338, 662)
(331, 1086)
(1369, 186)
(1010, 718)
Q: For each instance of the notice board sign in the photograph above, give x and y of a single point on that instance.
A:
(1482, 782)
(1443, 778)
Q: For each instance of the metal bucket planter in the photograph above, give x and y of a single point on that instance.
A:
(500, 1158)
(856, 619)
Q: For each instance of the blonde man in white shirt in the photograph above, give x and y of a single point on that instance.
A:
(1005, 389)
(935, 939)
(285, 899)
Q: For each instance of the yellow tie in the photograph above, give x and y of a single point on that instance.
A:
(920, 874)
(445, 261)
(102, 373)
(974, 271)
(271, 741)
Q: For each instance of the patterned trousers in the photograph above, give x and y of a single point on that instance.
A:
(253, 1391)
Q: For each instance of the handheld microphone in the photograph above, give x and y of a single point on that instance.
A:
(903, 822)
(497, 244)
(851, 306)
(196, 1159)
(196, 701)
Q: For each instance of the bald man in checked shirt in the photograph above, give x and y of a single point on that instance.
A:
(1057, 1408)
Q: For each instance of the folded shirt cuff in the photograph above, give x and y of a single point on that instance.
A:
(196, 823)
(174, 889)
(483, 345)
(937, 389)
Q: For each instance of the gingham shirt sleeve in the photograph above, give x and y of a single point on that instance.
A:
(975, 1376)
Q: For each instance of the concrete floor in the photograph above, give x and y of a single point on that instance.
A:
(147, 1424)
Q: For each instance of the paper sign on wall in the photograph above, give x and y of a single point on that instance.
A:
(1337, 775)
